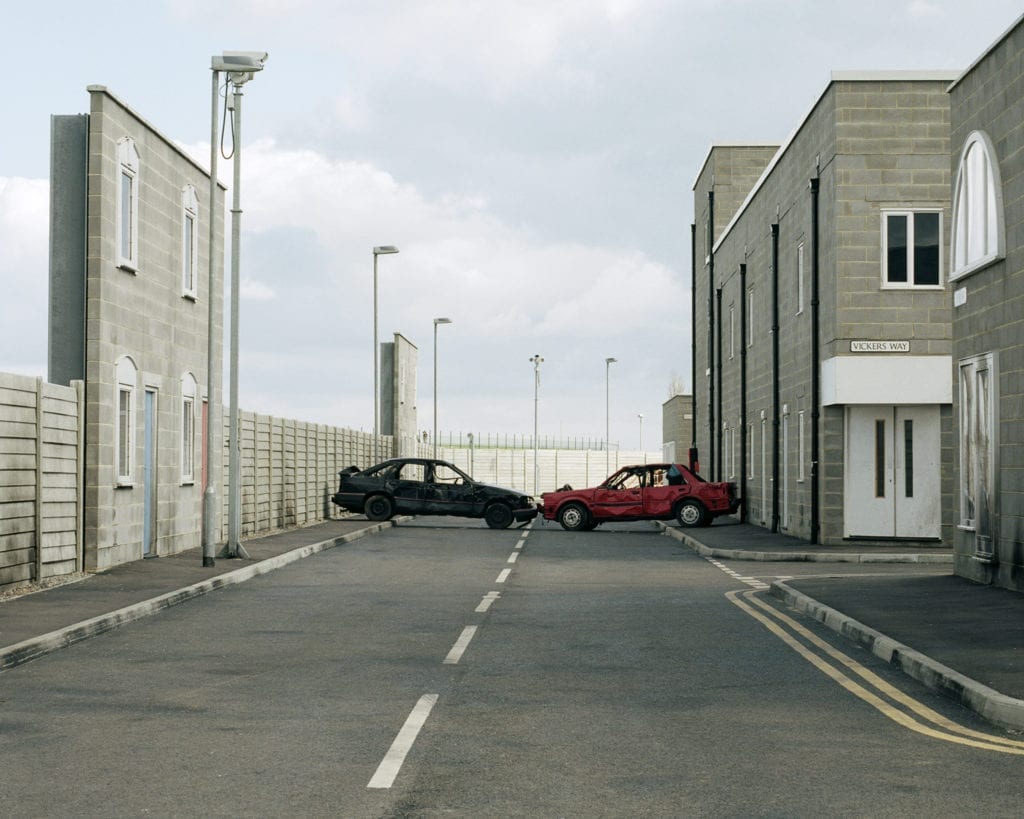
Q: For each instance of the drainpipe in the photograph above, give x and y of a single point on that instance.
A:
(711, 331)
(775, 377)
(692, 457)
(815, 362)
(718, 387)
(743, 391)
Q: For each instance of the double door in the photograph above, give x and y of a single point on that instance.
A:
(893, 472)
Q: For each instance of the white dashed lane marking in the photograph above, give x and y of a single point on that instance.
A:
(393, 759)
(460, 645)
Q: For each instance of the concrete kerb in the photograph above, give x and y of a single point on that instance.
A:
(34, 647)
(800, 557)
(997, 708)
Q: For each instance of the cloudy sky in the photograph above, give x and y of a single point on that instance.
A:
(532, 159)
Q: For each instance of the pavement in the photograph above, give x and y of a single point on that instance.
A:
(954, 636)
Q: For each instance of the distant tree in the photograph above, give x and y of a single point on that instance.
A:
(676, 386)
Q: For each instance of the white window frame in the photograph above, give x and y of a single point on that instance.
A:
(125, 420)
(128, 170)
(978, 433)
(801, 445)
(750, 317)
(911, 214)
(189, 243)
(750, 449)
(799, 278)
(189, 389)
(732, 331)
(978, 224)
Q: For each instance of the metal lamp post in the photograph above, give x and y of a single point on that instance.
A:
(537, 361)
(607, 414)
(241, 67)
(436, 322)
(640, 415)
(381, 250)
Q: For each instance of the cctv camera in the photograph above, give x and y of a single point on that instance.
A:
(240, 61)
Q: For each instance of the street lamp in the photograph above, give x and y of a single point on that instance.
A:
(241, 66)
(607, 403)
(640, 415)
(436, 322)
(537, 361)
(382, 250)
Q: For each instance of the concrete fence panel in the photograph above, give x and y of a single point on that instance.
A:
(41, 463)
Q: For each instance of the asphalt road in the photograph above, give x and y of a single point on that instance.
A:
(444, 669)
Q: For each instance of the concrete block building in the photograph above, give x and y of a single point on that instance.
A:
(987, 283)
(822, 334)
(677, 428)
(130, 302)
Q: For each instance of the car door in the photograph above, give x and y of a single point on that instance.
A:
(407, 488)
(659, 496)
(621, 496)
(447, 492)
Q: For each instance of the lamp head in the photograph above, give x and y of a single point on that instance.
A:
(611, 360)
(442, 321)
(383, 250)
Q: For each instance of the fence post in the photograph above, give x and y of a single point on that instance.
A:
(38, 564)
(80, 476)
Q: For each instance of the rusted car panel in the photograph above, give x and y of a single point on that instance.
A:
(642, 492)
(427, 486)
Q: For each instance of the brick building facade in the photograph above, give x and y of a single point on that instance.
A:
(129, 315)
(987, 280)
(822, 334)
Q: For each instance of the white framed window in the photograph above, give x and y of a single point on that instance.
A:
(799, 278)
(189, 242)
(978, 231)
(750, 317)
(801, 446)
(977, 443)
(127, 237)
(188, 428)
(750, 450)
(911, 248)
(126, 378)
(732, 331)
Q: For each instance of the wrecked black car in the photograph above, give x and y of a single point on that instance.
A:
(425, 486)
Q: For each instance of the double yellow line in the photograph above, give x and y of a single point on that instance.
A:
(930, 723)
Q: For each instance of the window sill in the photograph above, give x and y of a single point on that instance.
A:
(128, 267)
(915, 287)
(192, 297)
(976, 267)
(124, 485)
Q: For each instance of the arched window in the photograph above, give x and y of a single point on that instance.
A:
(128, 205)
(189, 241)
(978, 238)
(124, 440)
(188, 428)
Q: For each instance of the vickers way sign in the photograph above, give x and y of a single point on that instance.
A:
(879, 346)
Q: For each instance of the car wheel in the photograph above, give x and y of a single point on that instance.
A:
(574, 517)
(379, 507)
(498, 516)
(691, 513)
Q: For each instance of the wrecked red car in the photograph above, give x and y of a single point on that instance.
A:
(644, 492)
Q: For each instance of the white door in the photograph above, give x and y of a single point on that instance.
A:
(892, 472)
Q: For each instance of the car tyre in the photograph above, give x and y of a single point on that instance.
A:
(574, 517)
(498, 516)
(379, 507)
(691, 513)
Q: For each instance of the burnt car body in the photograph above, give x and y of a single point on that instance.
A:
(642, 492)
(427, 486)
